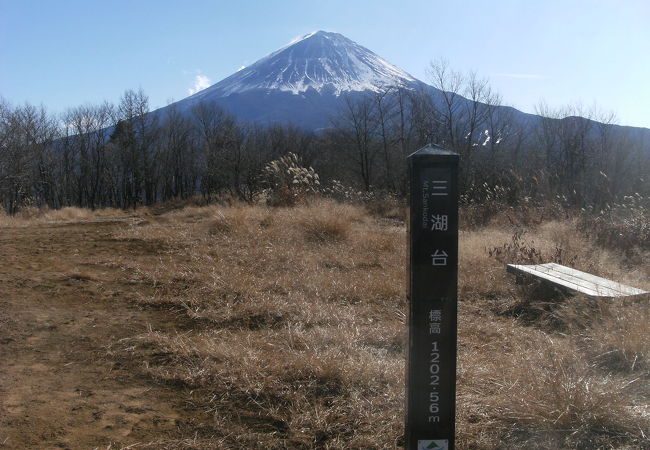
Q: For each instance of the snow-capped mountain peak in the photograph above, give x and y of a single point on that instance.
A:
(324, 61)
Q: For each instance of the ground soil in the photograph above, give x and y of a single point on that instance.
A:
(62, 306)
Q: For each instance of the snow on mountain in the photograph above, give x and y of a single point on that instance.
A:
(304, 83)
(326, 62)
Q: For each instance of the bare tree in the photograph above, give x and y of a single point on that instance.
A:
(218, 135)
(355, 132)
(86, 131)
(386, 113)
(179, 165)
(134, 136)
(26, 159)
(448, 102)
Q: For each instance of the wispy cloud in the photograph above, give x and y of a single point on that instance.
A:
(301, 37)
(522, 76)
(200, 82)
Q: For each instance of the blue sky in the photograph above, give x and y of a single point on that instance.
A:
(69, 52)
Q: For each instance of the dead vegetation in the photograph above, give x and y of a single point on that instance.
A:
(32, 215)
(297, 330)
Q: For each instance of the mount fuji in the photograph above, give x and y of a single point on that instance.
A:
(307, 82)
(303, 83)
(325, 62)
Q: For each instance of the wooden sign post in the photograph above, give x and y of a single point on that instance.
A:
(433, 281)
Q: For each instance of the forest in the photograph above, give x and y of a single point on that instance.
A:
(124, 155)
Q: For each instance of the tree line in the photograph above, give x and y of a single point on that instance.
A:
(123, 155)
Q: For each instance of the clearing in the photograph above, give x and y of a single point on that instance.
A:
(61, 304)
(253, 327)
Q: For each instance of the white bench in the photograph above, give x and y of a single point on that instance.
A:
(570, 279)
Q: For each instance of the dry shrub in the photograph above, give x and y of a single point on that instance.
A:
(384, 240)
(180, 203)
(554, 241)
(327, 221)
(289, 182)
(613, 332)
(193, 212)
(33, 215)
(348, 194)
(517, 251)
(387, 207)
(308, 340)
(220, 224)
(294, 334)
(32, 212)
(556, 390)
(622, 227)
(326, 228)
(529, 387)
(274, 312)
(6, 220)
(501, 214)
(295, 387)
(574, 380)
(74, 213)
(561, 243)
(521, 251)
(232, 220)
(473, 216)
(621, 339)
(213, 220)
(482, 279)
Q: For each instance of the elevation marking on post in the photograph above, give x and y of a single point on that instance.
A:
(433, 295)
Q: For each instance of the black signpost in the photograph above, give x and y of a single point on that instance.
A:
(433, 280)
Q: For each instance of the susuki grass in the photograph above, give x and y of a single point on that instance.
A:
(297, 335)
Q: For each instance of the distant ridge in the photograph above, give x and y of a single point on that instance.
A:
(306, 82)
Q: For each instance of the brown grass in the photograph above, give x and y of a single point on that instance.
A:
(328, 221)
(30, 216)
(297, 331)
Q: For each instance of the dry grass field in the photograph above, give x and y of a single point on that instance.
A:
(253, 327)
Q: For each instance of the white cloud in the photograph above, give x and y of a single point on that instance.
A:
(200, 82)
(296, 39)
(301, 37)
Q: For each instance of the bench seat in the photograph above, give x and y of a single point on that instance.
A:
(570, 279)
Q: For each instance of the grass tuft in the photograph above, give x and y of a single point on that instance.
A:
(295, 329)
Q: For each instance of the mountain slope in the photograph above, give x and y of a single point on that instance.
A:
(326, 62)
(303, 83)
(306, 83)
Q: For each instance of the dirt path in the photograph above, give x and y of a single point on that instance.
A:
(61, 306)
